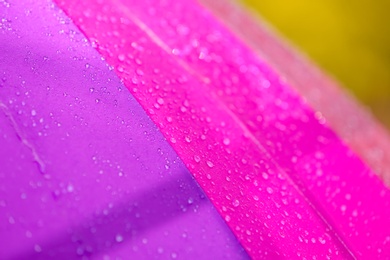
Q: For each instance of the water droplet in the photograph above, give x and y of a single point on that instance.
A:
(175, 52)
(28, 234)
(188, 139)
(70, 188)
(294, 159)
(226, 141)
(160, 101)
(236, 203)
(210, 164)
(11, 220)
(121, 57)
(139, 72)
(196, 158)
(321, 240)
(33, 112)
(37, 248)
(134, 80)
(119, 238)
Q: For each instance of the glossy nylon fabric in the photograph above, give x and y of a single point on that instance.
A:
(83, 170)
(352, 123)
(284, 182)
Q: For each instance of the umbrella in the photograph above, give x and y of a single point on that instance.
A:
(148, 130)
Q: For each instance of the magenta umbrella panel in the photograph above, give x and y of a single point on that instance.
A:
(148, 130)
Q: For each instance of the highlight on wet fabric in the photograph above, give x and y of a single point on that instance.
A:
(338, 109)
(147, 129)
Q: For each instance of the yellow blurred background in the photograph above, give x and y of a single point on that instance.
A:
(348, 39)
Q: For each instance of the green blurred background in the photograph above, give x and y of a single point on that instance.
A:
(349, 39)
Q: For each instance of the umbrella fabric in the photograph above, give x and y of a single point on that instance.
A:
(256, 119)
(284, 183)
(84, 172)
(342, 113)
